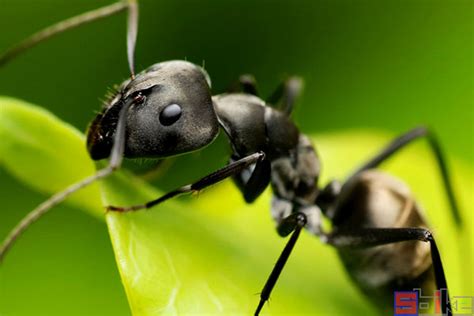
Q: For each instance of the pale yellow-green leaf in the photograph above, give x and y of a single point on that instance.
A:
(44, 152)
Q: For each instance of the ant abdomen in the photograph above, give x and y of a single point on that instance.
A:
(377, 200)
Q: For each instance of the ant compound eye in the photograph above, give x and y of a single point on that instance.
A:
(170, 114)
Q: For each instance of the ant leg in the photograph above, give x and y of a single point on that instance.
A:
(370, 237)
(65, 25)
(115, 162)
(293, 223)
(245, 84)
(248, 84)
(286, 94)
(253, 181)
(405, 139)
(217, 176)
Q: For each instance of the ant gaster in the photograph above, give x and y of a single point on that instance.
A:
(168, 109)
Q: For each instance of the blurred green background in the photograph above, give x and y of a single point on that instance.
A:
(387, 65)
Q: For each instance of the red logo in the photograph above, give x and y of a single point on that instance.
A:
(406, 303)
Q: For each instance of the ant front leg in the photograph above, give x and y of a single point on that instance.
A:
(213, 178)
(371, 237)
(252, 181)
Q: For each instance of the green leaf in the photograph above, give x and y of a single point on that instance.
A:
(45, 153)
(211, 253)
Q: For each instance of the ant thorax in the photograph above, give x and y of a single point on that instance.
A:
(253, 126)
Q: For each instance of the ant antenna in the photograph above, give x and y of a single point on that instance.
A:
(114, 163)
(65, 25)
(132, 35)
(119, 139)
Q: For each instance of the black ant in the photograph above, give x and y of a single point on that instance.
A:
(168, 109)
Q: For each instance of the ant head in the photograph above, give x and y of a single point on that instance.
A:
(172, 113)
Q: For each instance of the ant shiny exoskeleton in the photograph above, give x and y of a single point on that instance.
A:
(168, 109)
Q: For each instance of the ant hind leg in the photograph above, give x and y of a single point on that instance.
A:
(400, 143)
(371, 237)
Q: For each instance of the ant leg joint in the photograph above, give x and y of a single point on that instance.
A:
(301, 220)
(428, 235)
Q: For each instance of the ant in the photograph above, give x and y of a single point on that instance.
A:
(168, 109)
